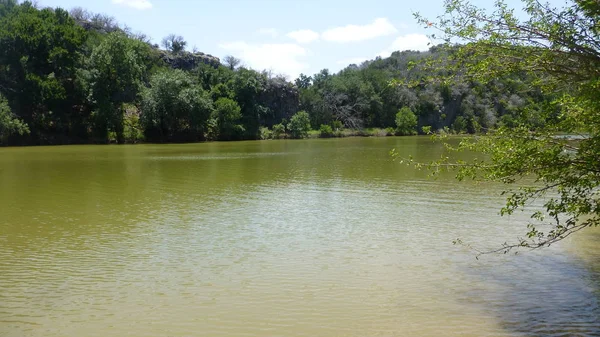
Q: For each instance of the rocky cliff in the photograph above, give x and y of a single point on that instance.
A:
(184, 60)
(187, 60)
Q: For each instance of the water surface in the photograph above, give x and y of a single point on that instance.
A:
(272, 238)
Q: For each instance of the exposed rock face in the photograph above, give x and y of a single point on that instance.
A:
(282, 100)
(187, 60)
(184, 60)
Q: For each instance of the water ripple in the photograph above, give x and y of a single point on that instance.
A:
(287, 239)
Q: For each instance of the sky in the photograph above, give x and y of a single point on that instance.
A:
(287, 37)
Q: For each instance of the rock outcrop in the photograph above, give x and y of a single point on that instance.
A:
(188, 61)
(281, 98)
(184, 60)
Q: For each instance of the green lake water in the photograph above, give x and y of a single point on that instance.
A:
(272, 238)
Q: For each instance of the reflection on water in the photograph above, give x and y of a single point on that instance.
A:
(286, 238)
(541, 295)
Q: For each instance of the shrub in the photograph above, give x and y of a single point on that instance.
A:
(132, 130)
(325, 131)
(9, 123)
(406, 122)
(377, 132)
(299, 125)
(278, 131)
(337, 125)
(212, 129)
(228, 114)
(459, 125)
(265, 133)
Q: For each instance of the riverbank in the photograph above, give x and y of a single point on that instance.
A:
(329, 133)
(266, 134)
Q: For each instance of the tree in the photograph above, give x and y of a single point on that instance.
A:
(227, 115)
(406, 122)
(104, 23)
(6, 6)
(231, 62)
(39, 58)
(174, 107)
(559, 49)
(115, 77)
(248, 86)
(9, 123)
(80, 14)
(303, 81)
(174, 43)
(299, 125)
(459, 125)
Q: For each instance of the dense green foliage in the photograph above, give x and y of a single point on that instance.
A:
(559, 50)
(9, 124)
(325, 131)
(175, 107)
(361, 97)
(406, 122)
(39, 59)
(79, 78)
(115, 78)
(299, 125)
(226, 119)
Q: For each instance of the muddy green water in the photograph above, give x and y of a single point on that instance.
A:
(273, 238)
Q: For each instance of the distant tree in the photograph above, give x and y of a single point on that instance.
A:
(9, 123)
(459, 125)
(116, 75)
(249, 87)
(6, 6)
(231, 62)
(221, 90)
(322, 78)
(174, 107)
(104, 22)
(39, 58)
(140, 37)
(227, 115)
(303, 81)
(174, 43)
(299, 125)
(208, 76)
(79, 14)
(406, 122)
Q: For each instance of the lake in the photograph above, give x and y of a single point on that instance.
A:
(323, 237)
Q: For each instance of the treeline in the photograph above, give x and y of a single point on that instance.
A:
(68, 78)
(413, 90)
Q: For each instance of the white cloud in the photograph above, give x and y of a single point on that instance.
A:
(272, 32)
(137, 4)
(418, 42)
(281, 58)
(355, 33)
(304, 35)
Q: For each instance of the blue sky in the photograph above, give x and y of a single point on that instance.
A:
(285, 36)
